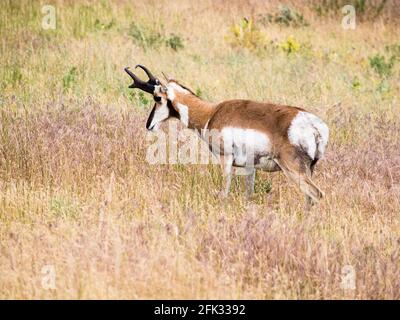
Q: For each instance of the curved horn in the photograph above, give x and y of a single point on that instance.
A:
(153, 79)
(140, 84)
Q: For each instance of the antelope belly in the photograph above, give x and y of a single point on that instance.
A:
(247, 146)
(267, 164)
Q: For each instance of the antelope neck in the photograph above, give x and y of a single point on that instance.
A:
(193, 110)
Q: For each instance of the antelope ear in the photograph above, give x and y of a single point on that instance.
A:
(165, 77)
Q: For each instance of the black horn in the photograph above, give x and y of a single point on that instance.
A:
(140, 84)
(152, 79)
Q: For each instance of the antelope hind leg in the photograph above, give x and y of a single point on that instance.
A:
(303, 181)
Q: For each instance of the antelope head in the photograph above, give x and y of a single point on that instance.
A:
(163, 108)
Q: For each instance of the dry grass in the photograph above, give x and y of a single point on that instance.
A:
(77, 193)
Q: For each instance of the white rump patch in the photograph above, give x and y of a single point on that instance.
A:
(310, 133)
(183, 113)
(246, 145)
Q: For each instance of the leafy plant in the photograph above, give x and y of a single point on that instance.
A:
(175, 42)
(383, 87)
(366, 9)
(262, 186)
(145, 36)
(382, 65)
(63, 208)
(290, 45)
(286, 17)
(69, 79)
(89, 21)
(394, 49)
(12, 75)
(199, 92)
(143, 100)
(103, 26)
(355, 83)
(246, 34)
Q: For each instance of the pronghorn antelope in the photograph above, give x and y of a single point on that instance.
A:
(251, 135)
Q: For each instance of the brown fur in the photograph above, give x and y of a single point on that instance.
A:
(199, 111)
(272, 119)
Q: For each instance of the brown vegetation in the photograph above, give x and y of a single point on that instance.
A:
(77, 193)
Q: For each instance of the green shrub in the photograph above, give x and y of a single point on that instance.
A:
(145, 36)
(175, 42)
(394, 50)
(356, 83)
(63, 208)
(285, 17)
(365, 9)
(262, 186)
(12, 75)
(383, 87)
(143, 100)
(290, 45)
(382, 65)
(138, 99)
(104, 26)
(199, 92)
(246, 34)
(69, 79)
(89, 21)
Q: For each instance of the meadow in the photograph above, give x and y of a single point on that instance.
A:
(83, 215)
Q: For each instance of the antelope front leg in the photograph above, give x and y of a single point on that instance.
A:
(250, 178)
(226, 163)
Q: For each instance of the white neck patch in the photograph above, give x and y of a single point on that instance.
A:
(173, 87)
(183, 113)
(159, 116)
(177, 87)
(183, 110)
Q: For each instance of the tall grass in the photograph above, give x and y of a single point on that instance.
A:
(76, 191)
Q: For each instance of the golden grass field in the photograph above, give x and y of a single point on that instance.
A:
(76, 191)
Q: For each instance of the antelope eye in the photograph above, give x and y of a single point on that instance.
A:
(157, 99)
